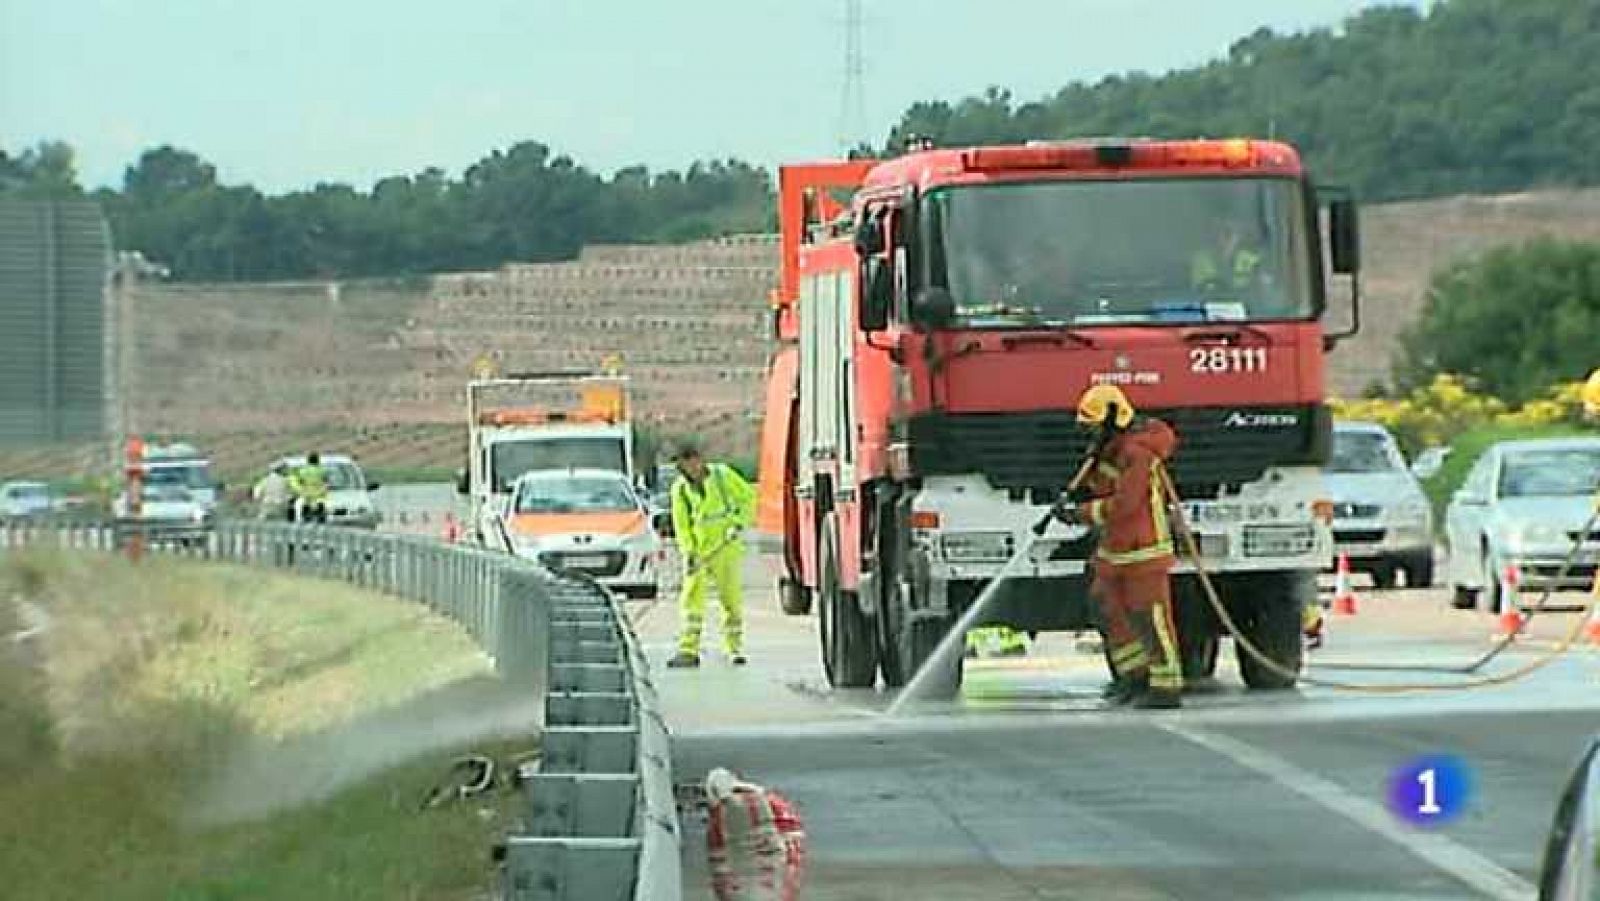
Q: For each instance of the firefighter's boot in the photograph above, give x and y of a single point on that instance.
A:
(1123, 690)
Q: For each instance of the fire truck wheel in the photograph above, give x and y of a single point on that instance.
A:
(793, 597)
(1199, 656)
(1275, 630)
(919, 642)
(848, 652)
(893, 598)
(1198, 637)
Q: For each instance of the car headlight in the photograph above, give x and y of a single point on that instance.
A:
(640, 542)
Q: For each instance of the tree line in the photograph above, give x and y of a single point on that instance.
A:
(1464, 96)
(524, 204)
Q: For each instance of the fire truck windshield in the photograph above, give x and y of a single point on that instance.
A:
(1088, 253)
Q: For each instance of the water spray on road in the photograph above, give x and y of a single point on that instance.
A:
(954, 641)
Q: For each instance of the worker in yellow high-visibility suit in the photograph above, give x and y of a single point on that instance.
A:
(712, 505)
(309, 484)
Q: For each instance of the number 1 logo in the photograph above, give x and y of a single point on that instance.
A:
(1430, 790)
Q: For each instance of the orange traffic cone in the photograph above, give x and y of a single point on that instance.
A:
(1344, 596)
(1511, 615)
(1591, 627)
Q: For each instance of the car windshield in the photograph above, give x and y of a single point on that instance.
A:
(1563, 472)
(579, 494)
(195, 477)
(1104, 252)
(1362, 452)
(343, 476)
(30, 491)
(511, 459)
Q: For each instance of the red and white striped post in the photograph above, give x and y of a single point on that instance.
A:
(134, 480)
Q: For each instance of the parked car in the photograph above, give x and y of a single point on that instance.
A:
(24, 500)
(349, 492)
(1381, 517)
(1522, 506)
(589, 521)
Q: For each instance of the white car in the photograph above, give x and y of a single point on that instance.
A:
(1381, 518)
(349, 492)
(1522, 507)
(24, 500)
(589, 521)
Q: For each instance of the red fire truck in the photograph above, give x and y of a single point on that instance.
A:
(937, 318)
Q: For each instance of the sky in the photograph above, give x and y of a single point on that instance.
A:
(288, 93)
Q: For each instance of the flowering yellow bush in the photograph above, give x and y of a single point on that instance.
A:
(1446, 407)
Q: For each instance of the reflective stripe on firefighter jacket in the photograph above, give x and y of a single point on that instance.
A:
(1130, 504)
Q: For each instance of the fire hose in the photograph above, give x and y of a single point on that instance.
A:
(1190, 548)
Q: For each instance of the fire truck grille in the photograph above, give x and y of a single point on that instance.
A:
(1039, 452)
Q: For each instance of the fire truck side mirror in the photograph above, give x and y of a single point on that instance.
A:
(1344, 236)
(877, 295)
(869, 236)
(933, 308)
(461, 481)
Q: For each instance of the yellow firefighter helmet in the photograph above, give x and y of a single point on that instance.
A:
(1591, 394)
(1100, 402)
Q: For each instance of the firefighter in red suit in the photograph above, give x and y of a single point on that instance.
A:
(1134, 557)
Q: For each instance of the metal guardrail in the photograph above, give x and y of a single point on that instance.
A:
(601, 821)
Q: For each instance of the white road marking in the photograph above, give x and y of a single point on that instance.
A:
(1451, 857)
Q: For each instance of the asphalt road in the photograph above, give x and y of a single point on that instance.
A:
(1024, 788)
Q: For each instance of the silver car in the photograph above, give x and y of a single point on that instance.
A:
(1381, 517)
(1522, 507)
(24, 500)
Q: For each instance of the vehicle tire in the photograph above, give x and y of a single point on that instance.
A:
(793, 597)
(1383, 575)
(1490, 596)
(848, 651)
(918, 643)
(1274, 628)
(1198, 641)
(1419, 571)
(894, 587)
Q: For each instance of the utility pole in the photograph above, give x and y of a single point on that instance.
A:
(853, 92)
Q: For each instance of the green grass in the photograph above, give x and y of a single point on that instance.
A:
(1468, 447)
(158, 683)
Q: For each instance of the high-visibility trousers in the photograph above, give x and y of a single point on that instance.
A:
(721, 571)
(1141, 637)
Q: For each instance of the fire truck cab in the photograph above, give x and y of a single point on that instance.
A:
(937, 318)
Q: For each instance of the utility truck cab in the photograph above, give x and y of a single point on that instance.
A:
(533, 422)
